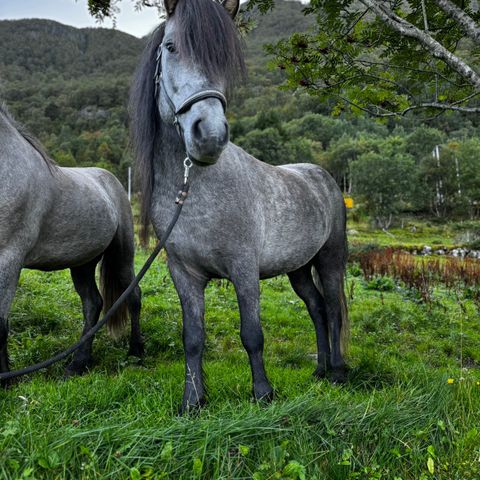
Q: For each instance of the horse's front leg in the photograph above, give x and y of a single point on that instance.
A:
(248, 295)
(190, 290)
(9, 273)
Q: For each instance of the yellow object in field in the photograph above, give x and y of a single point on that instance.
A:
(348, 202)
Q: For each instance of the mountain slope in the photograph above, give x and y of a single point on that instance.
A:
(40, 46)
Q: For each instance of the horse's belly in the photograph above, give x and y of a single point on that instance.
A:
(282, 257)
(72, 241)
(292, 236)
(57, 252)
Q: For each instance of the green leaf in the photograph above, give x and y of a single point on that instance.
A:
(135, 474)
(13, 464)
(244, 450)
(43, 462)
(167, 452)
(431, 465)
(27, 472)
(197, 467)
(10, 429)
(85, 451)
(295, 470)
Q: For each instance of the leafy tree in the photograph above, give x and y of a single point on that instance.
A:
(339, 158)
(453, 179)
(422, 141)
(319, 128)
(439, 186)
(386, 57)
(385, 182)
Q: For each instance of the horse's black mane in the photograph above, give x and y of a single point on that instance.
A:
(207, 35)
(32, 140)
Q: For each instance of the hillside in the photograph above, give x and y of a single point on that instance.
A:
(49, 48)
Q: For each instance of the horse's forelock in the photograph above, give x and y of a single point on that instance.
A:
(207, 36)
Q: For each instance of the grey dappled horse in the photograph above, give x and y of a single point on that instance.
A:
(53, 218)
(244, 219)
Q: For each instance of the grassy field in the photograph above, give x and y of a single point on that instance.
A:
(413, 233)
(410, 410)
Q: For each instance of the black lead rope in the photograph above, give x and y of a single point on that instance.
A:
(39, 366)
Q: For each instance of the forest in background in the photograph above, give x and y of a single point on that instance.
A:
(70, 87)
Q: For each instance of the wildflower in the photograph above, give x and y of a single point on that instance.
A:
(450, 381)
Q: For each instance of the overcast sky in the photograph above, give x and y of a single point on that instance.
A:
(75, 13)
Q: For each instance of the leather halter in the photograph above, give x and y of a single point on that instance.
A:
(189, 101)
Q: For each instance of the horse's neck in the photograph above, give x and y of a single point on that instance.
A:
(168, 164)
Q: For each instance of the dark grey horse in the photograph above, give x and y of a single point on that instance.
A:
(53, 218)
(244, 220)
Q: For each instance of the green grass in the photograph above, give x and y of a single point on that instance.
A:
(396, 418)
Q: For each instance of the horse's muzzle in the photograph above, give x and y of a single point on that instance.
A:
(205, 131)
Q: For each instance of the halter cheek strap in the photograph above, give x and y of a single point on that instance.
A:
(189, 101)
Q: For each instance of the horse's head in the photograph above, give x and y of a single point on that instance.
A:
(196, 62)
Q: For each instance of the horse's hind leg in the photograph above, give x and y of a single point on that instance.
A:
(248, 296)
(84, 281)
(9, 274)
(302, 283)
(330, 268)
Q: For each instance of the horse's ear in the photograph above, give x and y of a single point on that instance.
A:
(231, 6)
(170, 6)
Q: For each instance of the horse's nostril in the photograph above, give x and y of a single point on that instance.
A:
(196, 130)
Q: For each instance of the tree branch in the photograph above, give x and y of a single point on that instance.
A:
(435, 48)
(434, 105)
(442, 106)
(464, 20)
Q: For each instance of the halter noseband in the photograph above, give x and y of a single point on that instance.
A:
(189, 101)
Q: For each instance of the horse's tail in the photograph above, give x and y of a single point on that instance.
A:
(345, 327)
(112, 285)
(339, 276)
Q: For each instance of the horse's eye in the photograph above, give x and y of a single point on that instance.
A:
(170, 47)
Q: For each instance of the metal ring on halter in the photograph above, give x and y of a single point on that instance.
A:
(187, 163)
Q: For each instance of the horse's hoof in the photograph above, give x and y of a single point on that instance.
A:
(192, 409)
(320, 373)
(75, 370)
(339, 375)
(9, 382)
(136, 350)
(265, 396)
